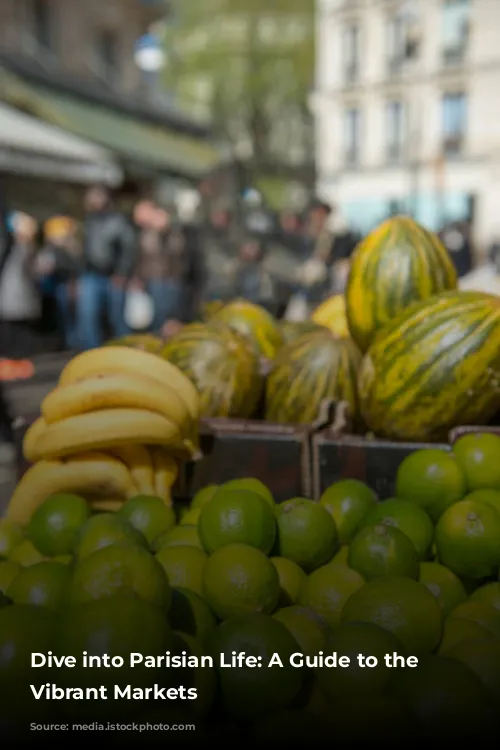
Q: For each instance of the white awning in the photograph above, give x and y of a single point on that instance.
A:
(31, 146)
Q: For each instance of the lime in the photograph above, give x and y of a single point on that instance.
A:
(191, 517)
(202, 678)
(447, 589)
(468, 539)
(432, 479)
(401, 606)
(149, 515)
(253, 485)
(327, 590)
(184, 567)
(478, 455)
(103, 530)
(382, 550)
(26, 554)
(306, 533)
(306, 627)
(55, 524)
(348, 501)
(8, 572)
(179, 536)
(291, 580)
(248, 692)
(203, 496)
(239, 579)
(237, 516)
(190, 614)
(11, 534)
(483, 658)
(351, 640)
(459, 631)
(408, 518)
(489, 594)
(341, 558)
(43, 585)
(484, 615)
(440, 693)
(63, 559)
(111, 569)
(490, 497)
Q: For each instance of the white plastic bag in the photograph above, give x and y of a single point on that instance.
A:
(139, 310)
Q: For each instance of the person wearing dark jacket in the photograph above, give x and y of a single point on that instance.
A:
(6, 243)
(109, 260)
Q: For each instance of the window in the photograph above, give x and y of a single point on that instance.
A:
(350, 52)
(456, 17)
(352, 135)
(107, 55)
(43, 23)
(403, 38)
(394, 130)
(454, 123)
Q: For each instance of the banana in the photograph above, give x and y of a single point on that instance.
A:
(107, 505)
(121, 360)
(107, 429)
(119, 391)
(31, 436)
(166, 471)
(140, 466)
(92, 473)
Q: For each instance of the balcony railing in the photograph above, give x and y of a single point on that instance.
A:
(455, 55)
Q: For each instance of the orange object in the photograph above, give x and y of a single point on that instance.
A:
(16, 369)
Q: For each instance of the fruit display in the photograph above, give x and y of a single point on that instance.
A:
(117, 425)
(332, 314)
(433, 368)
(221, 364)
(253, 322)
(145, 341)
(309, 371)
(398, 264)
(233, 576)
(292, 330)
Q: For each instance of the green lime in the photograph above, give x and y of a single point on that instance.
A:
(431, 478)
(408, 518)
(382, 550)
(306, 533)
(238, 580)
(204, 496)
(483, 658)
(306, 627)
(190, 614)
(251, 693)
(191, 517)
(179, 536)
(149, 515)
(460, 631)
(119, 567)
(252, 485)
(342, 556)
(43, 585)
(327, 590)
(184, 567)
(11, 534)
(63, 559)
(490, 497)
(356, 680)
(444, 585)
(468, 539)
(488, 594)
(237, 516)
(292, 578)
(8, 572)
(484, 615)
(348, 501)
(25, 553)
(401, 606)
(478, 455)
(55, 524)
(104, 530)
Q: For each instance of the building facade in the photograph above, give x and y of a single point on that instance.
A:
(407, 111)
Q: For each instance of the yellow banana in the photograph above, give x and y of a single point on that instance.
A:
(118, 391)
(92, 473)
(107, 505)
(107, 429)
(121, 360)
(166, 471)
(31, 436)
(140, 466)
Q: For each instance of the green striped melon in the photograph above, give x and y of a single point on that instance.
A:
(253, 322)
(222, 366)
(398, 264)
(309, 371)
(434, 368)
(292, 330)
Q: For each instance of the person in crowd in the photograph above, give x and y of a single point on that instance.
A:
(20, 298)
(108, 262)
(251, 280)
(6, 244)
(456, 237)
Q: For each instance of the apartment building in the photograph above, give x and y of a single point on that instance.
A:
(408, 111)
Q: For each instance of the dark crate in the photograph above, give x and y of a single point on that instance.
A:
(278, 455)
(374, 462)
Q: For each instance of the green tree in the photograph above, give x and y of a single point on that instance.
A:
(248, 67)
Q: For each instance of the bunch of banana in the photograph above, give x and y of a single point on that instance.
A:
(117, 425)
